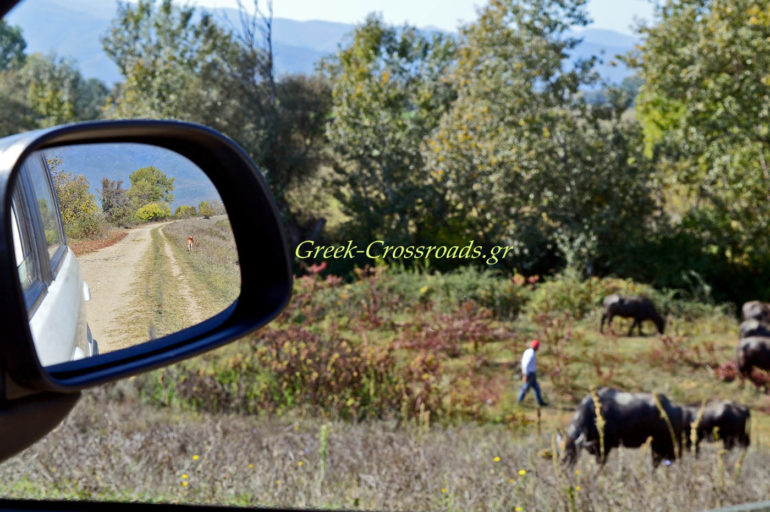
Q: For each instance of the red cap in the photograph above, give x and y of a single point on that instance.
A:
(534, 344)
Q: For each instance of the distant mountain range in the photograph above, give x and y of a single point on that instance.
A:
(73, 28)
(117, 161)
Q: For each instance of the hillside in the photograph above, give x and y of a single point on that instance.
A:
(298, 45)
(118, 161)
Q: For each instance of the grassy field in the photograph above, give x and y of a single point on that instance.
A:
(177, 288)
(211, 268)
(112, 448)
(397, 391)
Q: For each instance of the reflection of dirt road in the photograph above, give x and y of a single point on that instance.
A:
(110, 272)
(194, 312)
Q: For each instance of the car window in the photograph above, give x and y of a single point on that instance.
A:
(31, 262)
(46, 205)
(25, 263)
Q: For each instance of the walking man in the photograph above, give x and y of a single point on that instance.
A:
(528, 371)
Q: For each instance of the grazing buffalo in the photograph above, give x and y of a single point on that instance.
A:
(728, 421)
(638, 308)
(757, 311)
(753, 327)
(629, 420)
(753, 351)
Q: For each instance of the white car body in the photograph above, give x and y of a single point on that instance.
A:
(48, 269)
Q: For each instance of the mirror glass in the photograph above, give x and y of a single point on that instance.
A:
(118, 244)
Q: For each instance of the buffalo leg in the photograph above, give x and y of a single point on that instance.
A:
(601, 325)
(656, 459)
(634, 324)
(610, 318)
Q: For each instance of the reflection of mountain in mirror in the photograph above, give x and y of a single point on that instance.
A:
(88, 160)
(141, 247)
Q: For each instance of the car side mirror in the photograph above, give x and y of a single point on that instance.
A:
(230, 211)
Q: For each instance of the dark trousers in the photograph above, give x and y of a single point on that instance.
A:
(531, 382)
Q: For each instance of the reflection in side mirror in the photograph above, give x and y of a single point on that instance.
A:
(118, 244)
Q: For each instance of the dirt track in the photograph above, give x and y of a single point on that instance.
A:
(110, 274)
(195, 313)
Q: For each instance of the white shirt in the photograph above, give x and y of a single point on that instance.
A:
(528, 361)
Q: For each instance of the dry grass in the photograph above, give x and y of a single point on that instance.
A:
(80, 247)
(494, 456)
(112, 449)
(212, 268)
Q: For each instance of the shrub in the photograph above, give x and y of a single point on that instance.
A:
(153, 211)
(294, 367)
(185, 211)
(446, 333)
(87, 226)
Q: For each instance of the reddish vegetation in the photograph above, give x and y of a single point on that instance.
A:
(85, 246)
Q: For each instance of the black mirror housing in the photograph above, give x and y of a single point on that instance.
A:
(266, 279)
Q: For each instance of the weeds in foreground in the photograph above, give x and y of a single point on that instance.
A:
(116, 451)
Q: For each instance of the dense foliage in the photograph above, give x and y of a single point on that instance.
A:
(496, 135)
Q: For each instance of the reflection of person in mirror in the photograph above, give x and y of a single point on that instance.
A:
(190, 243)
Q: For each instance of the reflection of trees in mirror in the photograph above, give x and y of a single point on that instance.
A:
(157, 174)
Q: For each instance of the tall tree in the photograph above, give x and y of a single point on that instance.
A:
(16, 114)
(12, 46)
(116, 204)
(522, 158)
(388, 94)
(178, 63)
(57, 91)
(705, 109)
(150, 185)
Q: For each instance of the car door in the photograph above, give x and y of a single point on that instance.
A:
(53, 286)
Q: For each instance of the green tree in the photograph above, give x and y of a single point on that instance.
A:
(185, 211)
(116, 204)
(150, 185)
(388, 93)
(178, 63)
(77, 204)
(521, 158)
(16, 114)
(12, 46)
(58, 93)
(205, 210)
(75, 200)
(704, 106)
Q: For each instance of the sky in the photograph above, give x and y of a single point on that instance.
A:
(617, 15)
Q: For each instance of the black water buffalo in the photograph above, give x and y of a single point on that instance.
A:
(753, 327)
(629, 420)
(753, 351)
(726, 421)
(638, 308)
(756, 310)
